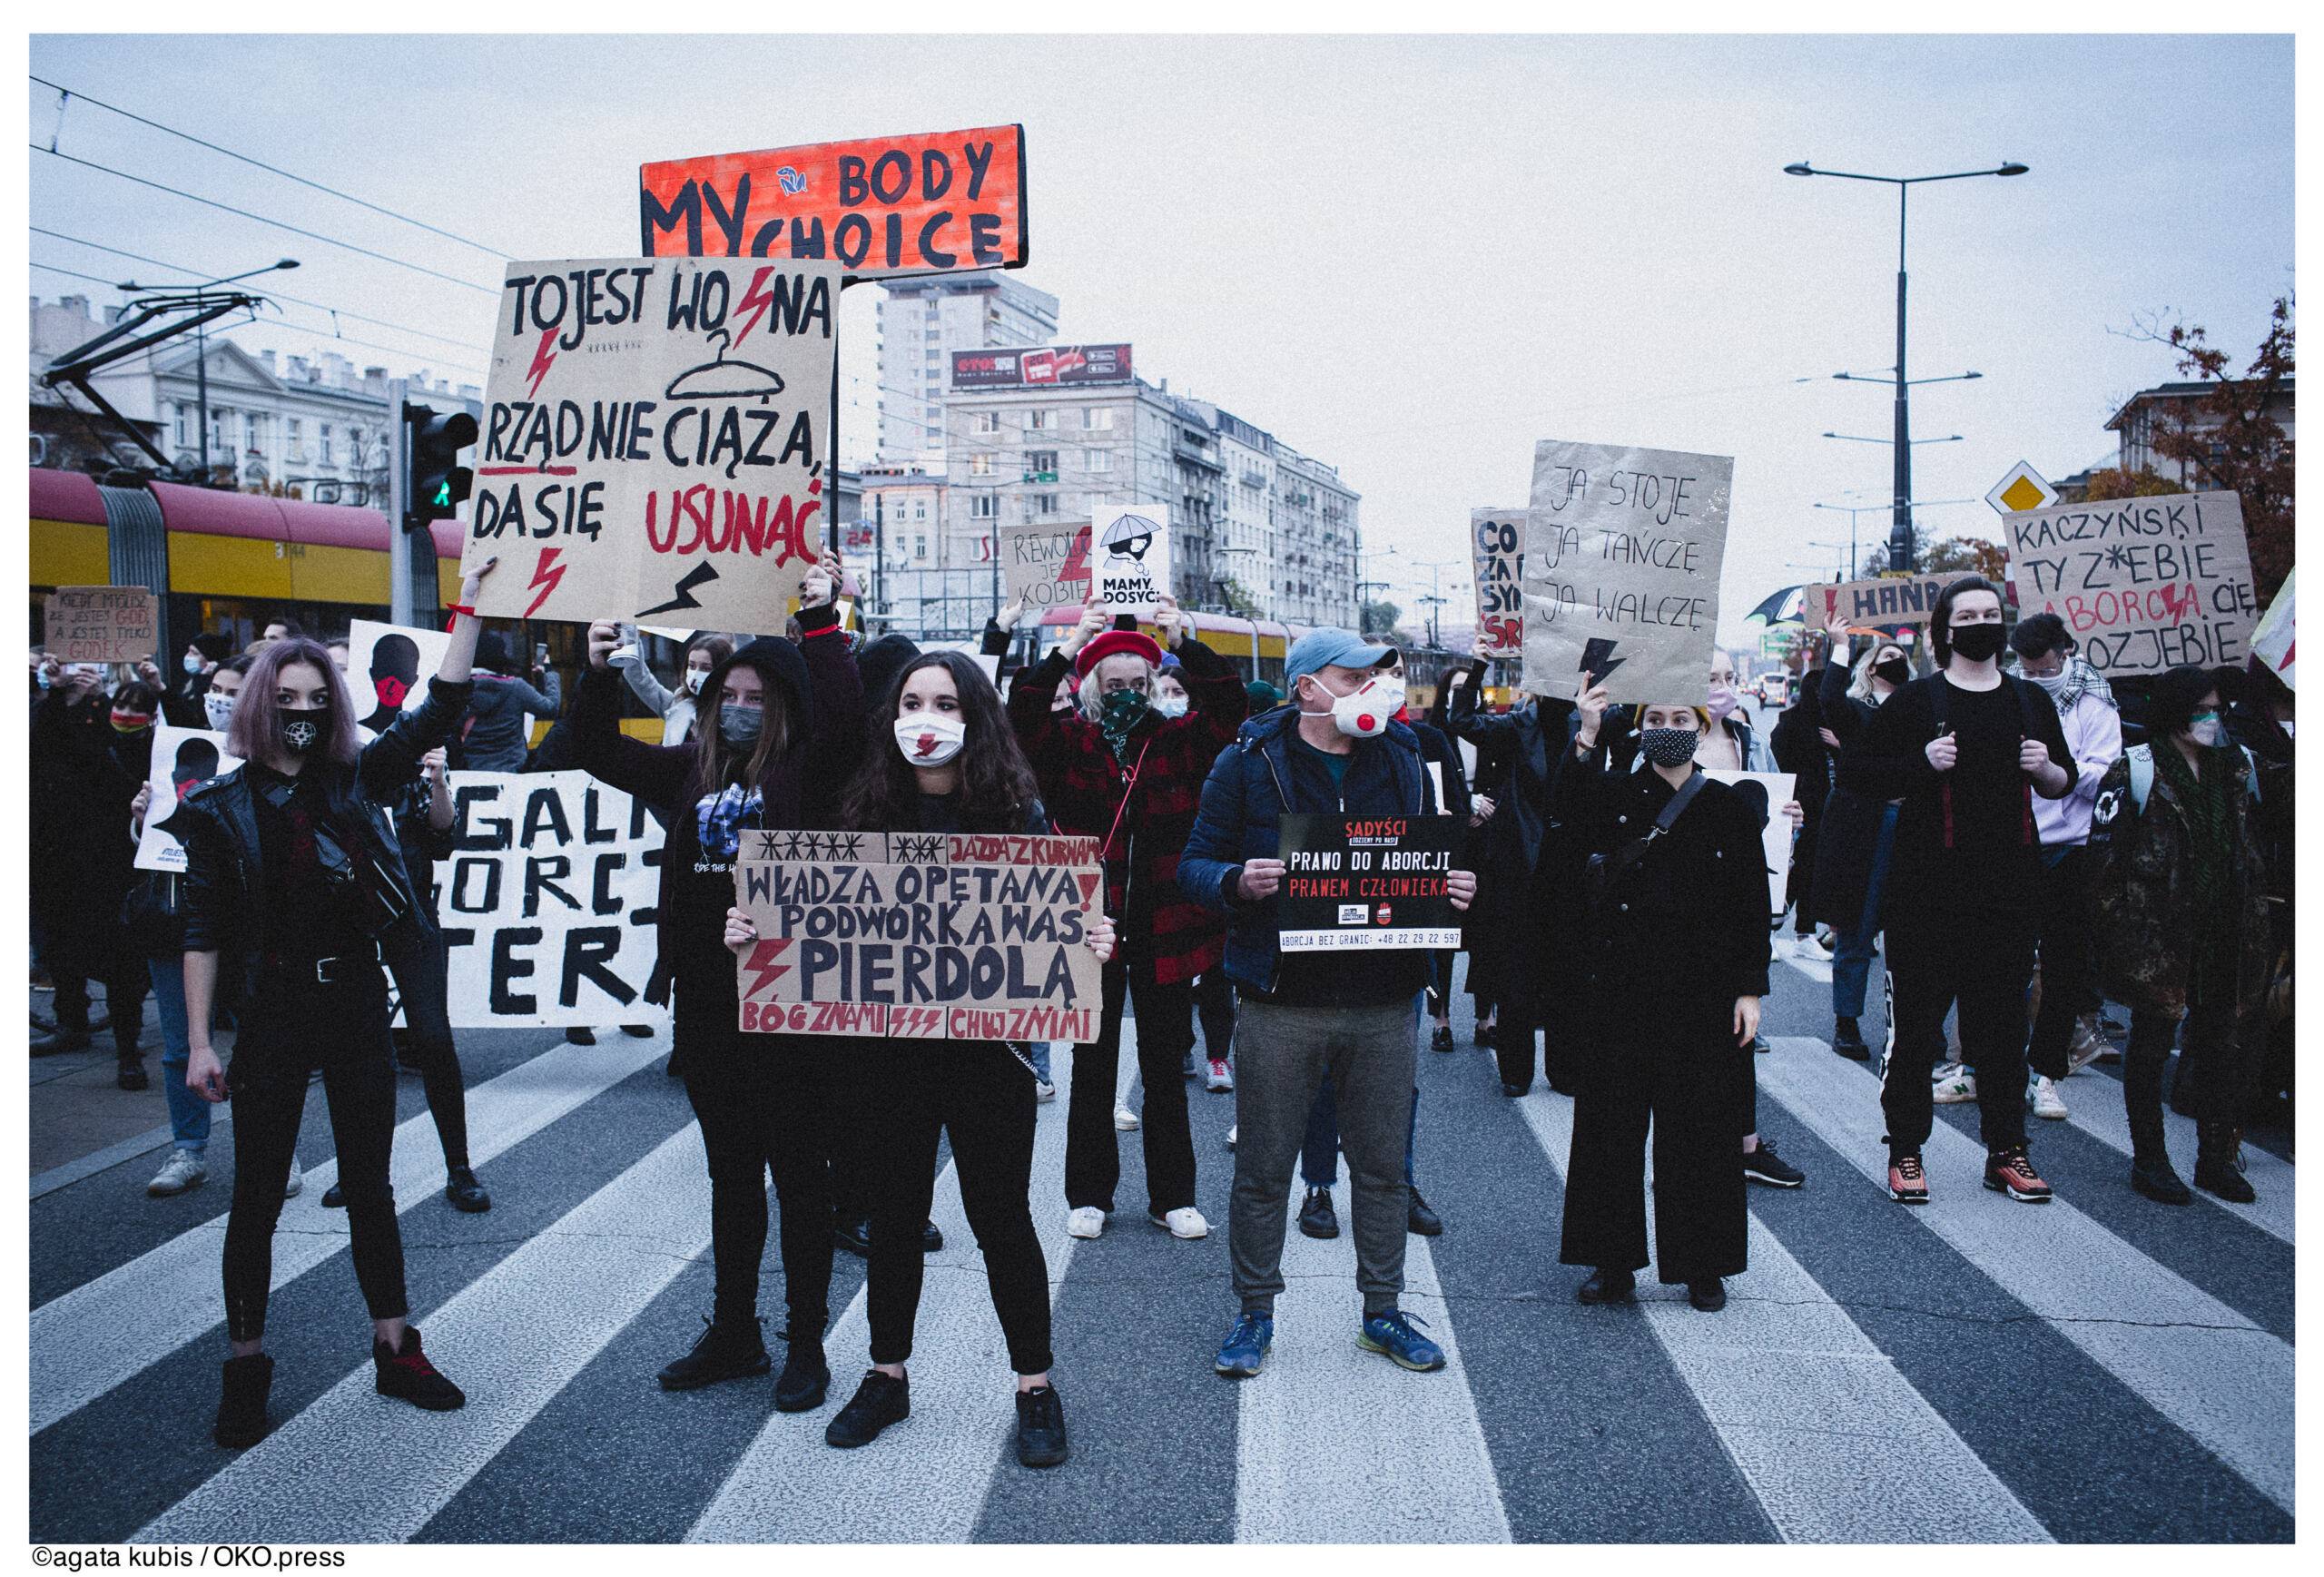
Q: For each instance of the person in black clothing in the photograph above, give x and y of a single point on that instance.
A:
(951, 765)
(1965, 749)
(1797, 744)
(1676, 945)
(1436, 747)
(780, 731)
(1858, 836)
(2259, 719)
(181, 701)
(292, 880)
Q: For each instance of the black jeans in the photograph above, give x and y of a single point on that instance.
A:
(2219, 1067)
(1214, 1006)
(422, 985)
(983, 1097)
(1985, 962)
(2066, 963)
(763, 1103)
(1093, 1163)
(1440, 982)
(290, 1026)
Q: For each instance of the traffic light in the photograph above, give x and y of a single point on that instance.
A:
(438, 482)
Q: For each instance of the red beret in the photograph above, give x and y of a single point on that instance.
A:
(1114, 644)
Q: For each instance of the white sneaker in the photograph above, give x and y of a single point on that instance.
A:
(1812, 946)
(1222, 1077)
(1230, 1135)
(2044, 1094)
(182, 1171)
(1043, 1091)
(1086, 1222)
(296, 1184)
(1184, 1222)
(1125, 1118)
(1953, 1084)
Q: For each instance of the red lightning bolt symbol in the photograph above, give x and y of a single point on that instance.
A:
(546, 574)
(761, 965)
(755, 301)
(1077, 563)
(542, 356)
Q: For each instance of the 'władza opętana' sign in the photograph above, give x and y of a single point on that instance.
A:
(923, 204)
(652, 440)
(2143, 584)
(952, 936)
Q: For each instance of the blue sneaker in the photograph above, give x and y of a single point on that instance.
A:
(1246, 1346)
(1392, 1333)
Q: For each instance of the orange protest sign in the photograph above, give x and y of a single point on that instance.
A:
(926, 203)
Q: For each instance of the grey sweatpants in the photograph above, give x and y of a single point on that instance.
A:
(1282, 1054)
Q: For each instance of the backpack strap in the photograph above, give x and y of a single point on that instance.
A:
(1679, 801)
(2142, 759)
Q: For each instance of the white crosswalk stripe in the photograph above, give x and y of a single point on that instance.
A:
(94, 1338)
(2190, 1357)
(1797, 1394)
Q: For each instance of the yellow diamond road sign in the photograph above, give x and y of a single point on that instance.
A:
(2021, 489)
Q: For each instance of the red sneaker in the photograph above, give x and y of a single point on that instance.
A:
(2010, 1172)
(1907, 1184)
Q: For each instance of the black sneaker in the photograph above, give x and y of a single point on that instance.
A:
(638, 1032)
(129, 1074)
(2159, 1181)
(854, 1237)
(727, 1350)
(580, 1035)
(465, 1192)
(880, 1401)
(405, 1374)
(1764, 1165)
(334, 1197)
(1483, 1036)
(1040, 1427)
(1848, 1040)
(1708, 1295)
(1607, 1286)
(932, 1240)
(1316, 1218)
(241, 1402)
(805, 1378)
(1441, 1038)
(1420, 1218)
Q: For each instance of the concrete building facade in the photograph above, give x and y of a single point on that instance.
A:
(922, 321)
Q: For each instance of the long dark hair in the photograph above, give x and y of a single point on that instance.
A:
(1940, 618)
(256, 731)
(716, 761)
(997, 785)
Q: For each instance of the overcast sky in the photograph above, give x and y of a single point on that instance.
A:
(1411, 257)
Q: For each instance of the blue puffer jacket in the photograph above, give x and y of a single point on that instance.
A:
(1253, 782)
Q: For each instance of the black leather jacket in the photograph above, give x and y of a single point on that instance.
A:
(221, 893)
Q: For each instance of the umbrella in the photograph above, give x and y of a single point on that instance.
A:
(1783, 606)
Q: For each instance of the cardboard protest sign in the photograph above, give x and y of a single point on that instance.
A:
(652, 440)
(1367, 882)
(1903, 599)
(2143, 584)
(389, 667)
(182, 758)
(2271, 643)
(1497, 547)
(101, 624)
(949, 936)
(1046, 566)
(1131, 567)
(548, 902)
(923, 204)
(1622, 555)
(1771, 791)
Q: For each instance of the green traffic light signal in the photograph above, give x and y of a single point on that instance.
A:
(436, 482)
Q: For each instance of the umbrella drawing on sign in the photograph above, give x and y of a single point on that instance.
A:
(719, 379)
(1129, 537)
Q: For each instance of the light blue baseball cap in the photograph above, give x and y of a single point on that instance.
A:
(1329, 647)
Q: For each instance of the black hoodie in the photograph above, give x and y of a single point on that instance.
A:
(823, 699)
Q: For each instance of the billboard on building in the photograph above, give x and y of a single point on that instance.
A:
(1041, 367)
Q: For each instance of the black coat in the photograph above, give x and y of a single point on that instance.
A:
(1848, 835)
(1527, 870)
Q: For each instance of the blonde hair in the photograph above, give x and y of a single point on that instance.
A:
(1860, 687)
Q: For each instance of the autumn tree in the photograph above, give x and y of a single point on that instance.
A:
(1966, 554)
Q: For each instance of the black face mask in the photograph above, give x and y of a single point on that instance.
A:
(1978, 642)
(302, 728)
(1895, 670)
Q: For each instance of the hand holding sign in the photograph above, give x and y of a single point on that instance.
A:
(1260, 879)
(1591, 708)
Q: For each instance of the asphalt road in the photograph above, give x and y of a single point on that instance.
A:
(2100, 1369)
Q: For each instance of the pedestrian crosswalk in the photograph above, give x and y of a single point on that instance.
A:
(1868, 1382)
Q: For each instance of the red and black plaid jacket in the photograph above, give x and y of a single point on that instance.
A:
(1083, 785)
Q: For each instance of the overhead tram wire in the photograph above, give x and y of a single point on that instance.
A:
(261, 219)
(71, 93)
(270, 293)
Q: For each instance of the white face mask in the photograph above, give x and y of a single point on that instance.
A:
(218, 709)
(2205, 729)
(1170, 705)
(930, 738)
(2053, 683)
(1363, 713)
(695, 676)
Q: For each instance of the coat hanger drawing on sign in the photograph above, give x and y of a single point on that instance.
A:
(751, 382)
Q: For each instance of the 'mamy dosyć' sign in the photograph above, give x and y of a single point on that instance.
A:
(1129, 545)
(1367, 882)
(2143, 584)
(1622, 555)
(928, 202)
(1497, 546)
(949, 936)
(1046, 566)
(652, 439)
(1903, 599)
(547, 902)
(100, 624)
(182, 758)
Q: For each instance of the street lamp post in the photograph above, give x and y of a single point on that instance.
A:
(1900, 534)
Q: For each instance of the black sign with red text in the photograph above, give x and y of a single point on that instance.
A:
(1367, 882)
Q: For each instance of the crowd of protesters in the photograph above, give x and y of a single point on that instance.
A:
(1978, 810)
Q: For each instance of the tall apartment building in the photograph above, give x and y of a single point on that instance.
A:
(922, 321)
